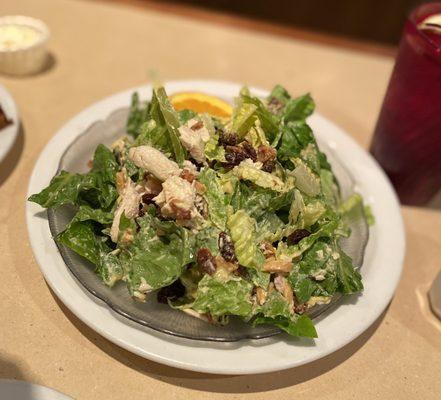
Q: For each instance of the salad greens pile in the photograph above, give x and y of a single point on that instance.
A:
(221, 217)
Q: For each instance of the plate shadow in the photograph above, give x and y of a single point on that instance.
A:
(222, 383)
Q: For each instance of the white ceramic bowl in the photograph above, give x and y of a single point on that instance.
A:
(30, 57)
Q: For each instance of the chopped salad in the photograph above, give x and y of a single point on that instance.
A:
(215, 216)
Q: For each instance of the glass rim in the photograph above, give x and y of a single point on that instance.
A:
(412, 19)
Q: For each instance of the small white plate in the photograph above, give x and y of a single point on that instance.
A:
(381, 269)
(20, 390)
(10, 132)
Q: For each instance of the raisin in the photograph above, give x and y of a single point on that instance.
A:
(266, 153)
(297, 236)
(206, 261)
(268, 166)
(227, 139)
(226, 247)
(147, 198)
(173, 291)
(242, 272)
(249, 151)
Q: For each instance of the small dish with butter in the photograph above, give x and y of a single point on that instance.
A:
(22, 45)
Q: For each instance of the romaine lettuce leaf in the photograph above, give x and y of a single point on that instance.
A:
(212, 150)
(299, 108)
(349, 279)
(154, 135)
(185, 116)
(63, 189)
(276, 311)
(81, 238)
(137, 115)
(217, 297)
(330, 188)
(279, 93)
(326, 229)
(243, 233)
(301, 326)
(259, 201)
(271, 228)
(157, 261)
(163, 113)
(247, 170)
(215, 197)
(259, 278)
(86, 213)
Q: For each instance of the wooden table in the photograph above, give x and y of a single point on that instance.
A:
(99, 49)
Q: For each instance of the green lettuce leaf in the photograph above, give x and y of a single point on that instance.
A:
(349, 279)
(218, 297)
(299, 108)
(271, 228)
(185, 116)
(154, 135)
(247, 170)
(63, 189)
(326, 229)
(215, 197)
(243, 233)
(279, 93)
(213, 151)
(163, 113)
(87, 213)
(330, 188)
(276, 311)
(157, 261)
(137, 115)
(259, 201)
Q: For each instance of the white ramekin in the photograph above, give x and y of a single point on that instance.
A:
(27, 59)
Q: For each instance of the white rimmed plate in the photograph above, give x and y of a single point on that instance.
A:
(381, 269)
(10, 132)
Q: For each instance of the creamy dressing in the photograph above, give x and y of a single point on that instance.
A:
(15, 36)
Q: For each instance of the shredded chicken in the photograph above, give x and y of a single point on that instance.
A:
(129, 201)
(154, 161)
(277, 266)
(282, 285)
(177, 199)
(193, 137)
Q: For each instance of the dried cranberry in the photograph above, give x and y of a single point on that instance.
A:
(173, 291)
(206, 261)
(297, 236)
(226, 247)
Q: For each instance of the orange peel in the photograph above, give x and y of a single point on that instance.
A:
(201, 103)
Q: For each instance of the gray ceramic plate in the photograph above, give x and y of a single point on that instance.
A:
(151, 313)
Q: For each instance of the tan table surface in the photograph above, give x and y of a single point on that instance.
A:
(100, 49)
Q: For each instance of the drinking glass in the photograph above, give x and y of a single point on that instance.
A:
(407, 138)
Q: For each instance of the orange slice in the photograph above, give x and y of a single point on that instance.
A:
(201, 103)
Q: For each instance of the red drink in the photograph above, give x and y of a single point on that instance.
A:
(407, 138)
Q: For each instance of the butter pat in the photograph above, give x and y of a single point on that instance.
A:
(22, 45)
